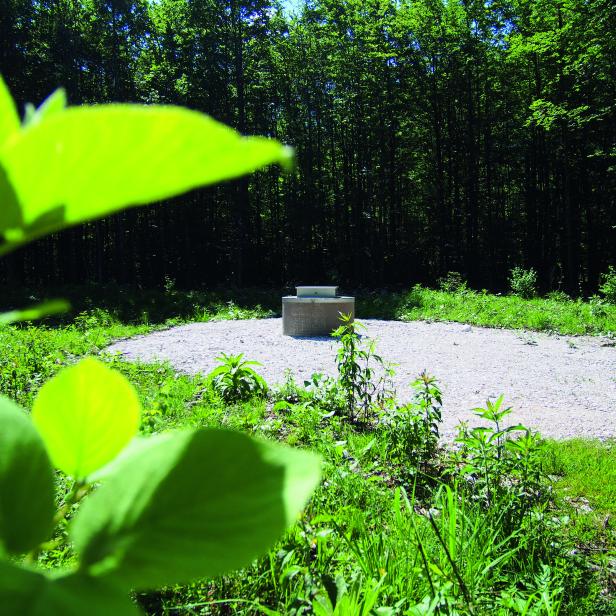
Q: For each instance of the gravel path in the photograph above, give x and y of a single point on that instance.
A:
(562, 386)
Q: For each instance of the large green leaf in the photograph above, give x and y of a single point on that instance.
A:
(86, 415)
(26, 482)
(193, 504)
(25, 592)
(9, 120)
(68, 166)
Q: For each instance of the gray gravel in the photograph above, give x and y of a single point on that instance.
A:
(562, 386)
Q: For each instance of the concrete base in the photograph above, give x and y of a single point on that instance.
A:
(314, 316)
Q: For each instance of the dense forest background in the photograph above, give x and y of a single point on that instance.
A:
(431, 135)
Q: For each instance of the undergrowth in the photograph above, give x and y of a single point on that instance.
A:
(455, 301)
(555, 313)
(400, 525)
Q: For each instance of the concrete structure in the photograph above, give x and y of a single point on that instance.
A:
(314, 311)
(316, 291)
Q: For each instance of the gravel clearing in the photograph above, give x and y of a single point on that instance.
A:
(562, 386)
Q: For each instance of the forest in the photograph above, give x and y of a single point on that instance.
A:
(176, 440)
(430, 136)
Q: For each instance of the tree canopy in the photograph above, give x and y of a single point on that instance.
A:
(430, 135)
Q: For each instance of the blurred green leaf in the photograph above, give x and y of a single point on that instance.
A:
(54, 103)
(44, 309)
(86, 415)
(69, 166)
(26, 482)
(9, 120)
(196, 504)
(25, 592)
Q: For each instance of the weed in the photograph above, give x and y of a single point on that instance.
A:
(235, 380)
(452, 282)
(363, 393)
(412, 430)
(608, 285)
(496, 467)
(523, 282)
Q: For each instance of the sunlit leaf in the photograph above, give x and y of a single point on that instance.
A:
(66, 167)
(86, 415)
(195, 504)
(26, 482)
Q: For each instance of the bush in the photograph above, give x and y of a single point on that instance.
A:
(523, 283)
(608, 285)
(452, 282)
(558, 296)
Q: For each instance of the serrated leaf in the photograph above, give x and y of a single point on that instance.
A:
(86, 415)
(44, 309)
(196, 504)
(31, 593)
(26, 482)
(9, 119)
(86, 162)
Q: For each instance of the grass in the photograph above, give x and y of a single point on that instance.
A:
(169, 306)
(559, 315)
(384, 534)
(585, 468)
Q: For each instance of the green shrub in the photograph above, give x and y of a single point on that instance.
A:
(452, 282)
(608, 285)
(499, 463)
(364, 393)
(523, 282)
(412, 430)
(235, 380)
(598, 306)
(558, 296)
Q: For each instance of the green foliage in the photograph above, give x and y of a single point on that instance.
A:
(90, 162)
(356, 377)
(86, 414)
(452, 282)
(26, 483)
(523, 282)
(482, 308)
(608, 285)
(9, 120)
(152, 523)
(142, 524)
(31, 593)
(497, 467)
(36, 312)
(413, 429)
(585, 468)
(235, 380)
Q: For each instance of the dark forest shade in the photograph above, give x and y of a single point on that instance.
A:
(430, 137)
